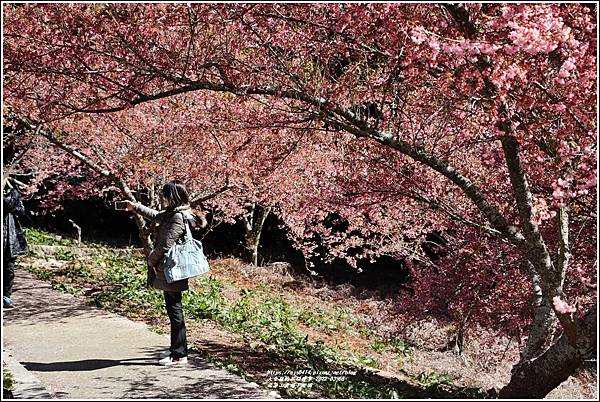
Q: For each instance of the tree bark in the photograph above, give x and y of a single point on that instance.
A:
(544, 317)
(552, 275)
(253, 223)
(536, 378)
(536, 250)
(540, 332)
(564, 253)
(77, 230)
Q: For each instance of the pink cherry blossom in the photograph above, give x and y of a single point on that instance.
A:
(561, 306)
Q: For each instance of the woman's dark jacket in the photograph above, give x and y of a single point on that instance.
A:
(171, 228)
(12, 234)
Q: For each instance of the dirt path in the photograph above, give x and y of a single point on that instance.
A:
(80, 352)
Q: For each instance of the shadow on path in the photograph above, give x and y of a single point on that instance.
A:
(36, 302)
(87, 365)
(81, 352)
(214, 384)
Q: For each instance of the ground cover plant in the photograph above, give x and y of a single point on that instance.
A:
(264, 319)
(250, 324)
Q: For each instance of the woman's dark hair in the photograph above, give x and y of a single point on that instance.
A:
(175, 194)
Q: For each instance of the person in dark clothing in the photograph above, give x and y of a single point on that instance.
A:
(14, 242)
(172, 225)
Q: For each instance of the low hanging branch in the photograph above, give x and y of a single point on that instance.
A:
(200, 199)
(50, 136)
(9, 170)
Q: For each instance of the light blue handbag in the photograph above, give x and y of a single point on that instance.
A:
(185, 260)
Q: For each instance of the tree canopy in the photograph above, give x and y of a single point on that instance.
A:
(476, 120)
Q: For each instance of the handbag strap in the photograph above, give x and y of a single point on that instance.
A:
(188, 232)
(189, 237)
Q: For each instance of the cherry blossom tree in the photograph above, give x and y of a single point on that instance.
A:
(477, 119)
(134, 158)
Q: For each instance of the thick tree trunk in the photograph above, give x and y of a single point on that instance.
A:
(536, 378)
(544, 317)
(540, 332)
(253, 224)
(251, 244)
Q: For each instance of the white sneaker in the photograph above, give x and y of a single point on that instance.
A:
(170, 361)
(164, 354)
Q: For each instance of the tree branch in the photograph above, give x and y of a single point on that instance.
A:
(351, 123)
(199, 200)
(49, 135)
(537, 252)
(564, 253)
(554, 98)
(460, 14)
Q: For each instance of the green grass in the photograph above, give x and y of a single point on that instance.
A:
(41, 273)
(359, 390)
(263, 318)
(39, 237)
(67, 288)
(126, 290)
(324, 320)
(397, 346)
(206, 300)
(63, 254)
(433, 379)
(8, 381)
(36, 236)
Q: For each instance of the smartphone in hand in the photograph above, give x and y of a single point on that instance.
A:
(121, 205)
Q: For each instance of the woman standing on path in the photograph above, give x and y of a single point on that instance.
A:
(171, 228)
